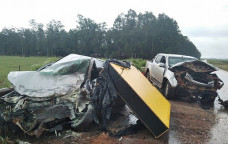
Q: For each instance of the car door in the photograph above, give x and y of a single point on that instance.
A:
(161, 69)
(154, 67)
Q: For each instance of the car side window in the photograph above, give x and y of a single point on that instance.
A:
(163, 60)
(158, 58)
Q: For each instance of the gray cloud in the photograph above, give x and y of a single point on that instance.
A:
(225, 7)
(212, 32)
(212, 42)
(211, 47)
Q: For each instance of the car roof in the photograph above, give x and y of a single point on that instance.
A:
(176, 55)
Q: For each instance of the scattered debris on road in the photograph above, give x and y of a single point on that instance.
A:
(222, 102)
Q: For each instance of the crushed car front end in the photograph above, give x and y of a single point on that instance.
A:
(196, 81)
(53, 97)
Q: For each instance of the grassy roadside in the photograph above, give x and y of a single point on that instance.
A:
(12, 63)
(139, 63)
(222, 64)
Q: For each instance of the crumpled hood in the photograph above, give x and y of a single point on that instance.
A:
(195, 66)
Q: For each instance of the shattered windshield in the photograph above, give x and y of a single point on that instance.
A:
(68, 65)
(175, 60)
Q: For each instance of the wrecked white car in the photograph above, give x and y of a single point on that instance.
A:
(183, 77)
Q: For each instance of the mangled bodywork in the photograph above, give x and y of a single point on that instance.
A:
(55, 96)
(196, 80)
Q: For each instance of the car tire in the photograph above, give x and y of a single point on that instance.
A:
(85, 121)
(168, 90)
(208, 99)
(148, 75)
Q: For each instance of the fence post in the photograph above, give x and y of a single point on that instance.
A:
(19, 68)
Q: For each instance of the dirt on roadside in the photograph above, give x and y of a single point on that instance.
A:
(190, 123)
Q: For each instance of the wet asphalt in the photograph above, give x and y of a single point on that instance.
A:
(220, 129)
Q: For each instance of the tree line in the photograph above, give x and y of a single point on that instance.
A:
(132, 35)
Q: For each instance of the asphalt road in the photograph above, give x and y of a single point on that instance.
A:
(220, 129)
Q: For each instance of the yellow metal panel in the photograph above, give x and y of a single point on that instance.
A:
(148, 93)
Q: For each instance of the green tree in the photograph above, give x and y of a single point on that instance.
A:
(132, 35)
(53, 36)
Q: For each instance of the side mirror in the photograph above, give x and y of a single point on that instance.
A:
(161, 65)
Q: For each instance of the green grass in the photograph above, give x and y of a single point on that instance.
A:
(139, 63)
(222, 64)
(12, 63)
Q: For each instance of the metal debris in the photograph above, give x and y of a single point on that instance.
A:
(222, 102)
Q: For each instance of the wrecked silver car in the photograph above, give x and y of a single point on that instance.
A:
(57, 95)
(184, 77)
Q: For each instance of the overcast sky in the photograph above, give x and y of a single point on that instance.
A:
(205, 22)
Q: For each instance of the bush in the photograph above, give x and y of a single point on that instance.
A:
(139, 63)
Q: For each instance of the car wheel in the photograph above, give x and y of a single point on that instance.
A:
(148, 75)
(168, 91)
(84, 122)
(207, 99)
